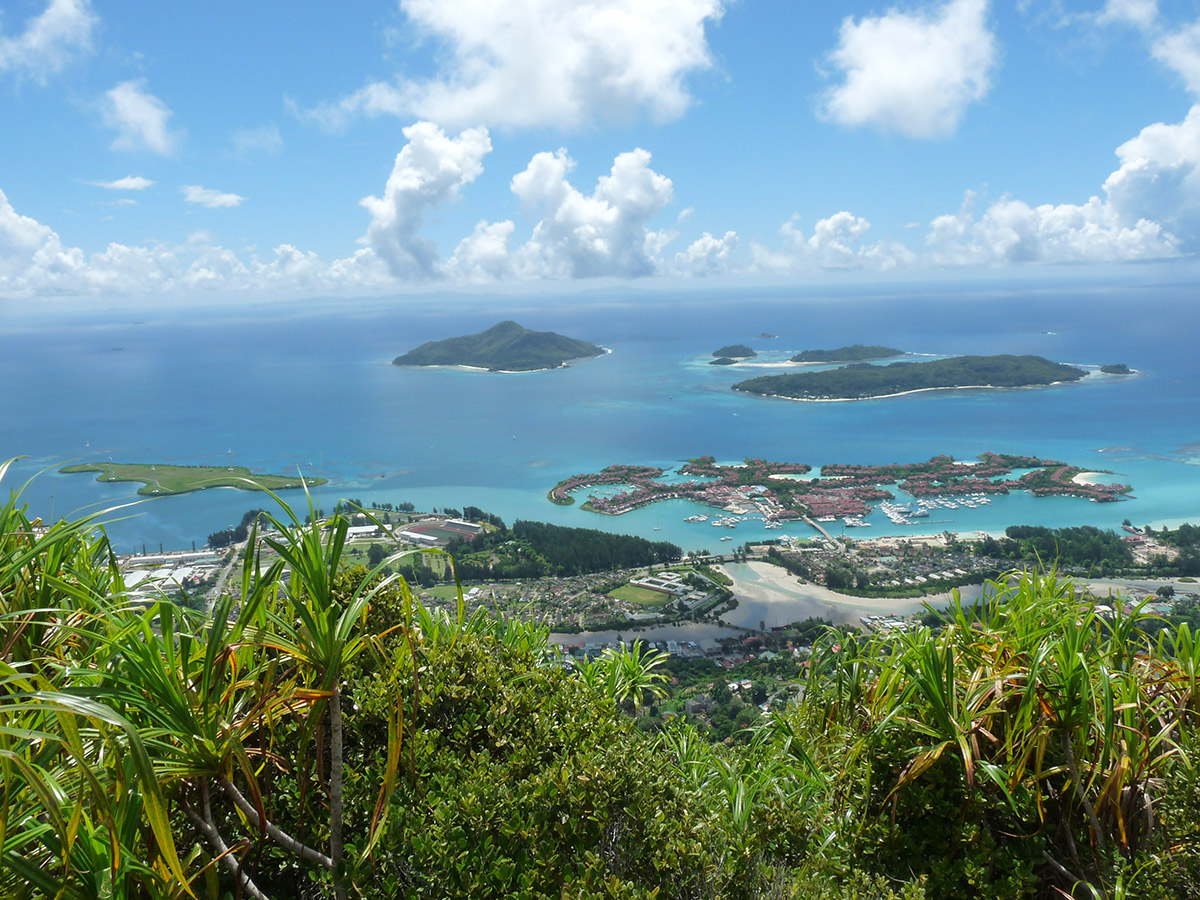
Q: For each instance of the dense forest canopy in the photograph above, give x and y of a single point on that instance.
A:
(504, 347)
(863, 381)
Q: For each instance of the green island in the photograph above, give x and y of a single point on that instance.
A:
(506, 347)
(1116, 369)
(785, 491)
(863, 381)
(853, 353)
(163, 480)
(735, 351)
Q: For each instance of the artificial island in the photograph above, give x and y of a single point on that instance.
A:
(163, 480)
(506, 347)
(863, 381)
(785, 491)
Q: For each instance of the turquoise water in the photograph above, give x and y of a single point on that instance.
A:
(310, 387)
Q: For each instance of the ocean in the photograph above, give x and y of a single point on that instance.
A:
(309, 386)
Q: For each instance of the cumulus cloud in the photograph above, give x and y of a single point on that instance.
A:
(483, 254)
(707, 255)
(202, 196)
(35, 263)
(584, 236)
(912, 73)
(835, 243)
(428, 171)
(139, 118)
(50, 41)
(1012, 231)
(128, 183)
(546, 62)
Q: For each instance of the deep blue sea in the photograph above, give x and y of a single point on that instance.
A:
(276, 387)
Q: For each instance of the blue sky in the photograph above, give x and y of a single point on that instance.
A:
(295, 149)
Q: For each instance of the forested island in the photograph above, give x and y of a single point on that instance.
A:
(1116, 369)
(160, 480)
(853, 353)
(506, 347)
(863, 381)
(735, 351)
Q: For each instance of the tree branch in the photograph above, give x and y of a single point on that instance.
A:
(231, 862)
(282, 838)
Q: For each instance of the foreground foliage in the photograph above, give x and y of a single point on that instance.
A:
(319, 733)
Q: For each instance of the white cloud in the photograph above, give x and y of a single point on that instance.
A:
(1180, 51)
(912, 73)
(34, 263)
(139, 117)
(128, 183)
(264, 139)
(483, 254)
(1140, 13)
(1012, 231)
(428, 171)
(1159, 178)
(587, 236)
(49, 41)
(203, 196)
(546, 62)
(707, 255)
(836, 243)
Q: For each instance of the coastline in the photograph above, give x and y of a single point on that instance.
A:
(956, 387)
(774, 585)
(566, 364)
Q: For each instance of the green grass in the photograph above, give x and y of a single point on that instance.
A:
(640, 596)
(163, 480)
(442, 592)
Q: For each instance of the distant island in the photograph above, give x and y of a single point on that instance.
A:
(864, 382)
(853, 353)
(735, 351)
(506, 347)
(767, 336)
(163, 480)
(723, 361)
(1116, 369)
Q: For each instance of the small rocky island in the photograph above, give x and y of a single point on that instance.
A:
(506, 347)
(1116, 369)
(853, 353)
(863, 381)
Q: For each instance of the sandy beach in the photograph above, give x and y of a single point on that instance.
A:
(780, 598)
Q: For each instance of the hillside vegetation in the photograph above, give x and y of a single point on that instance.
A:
(853, 353)
(504, 347)
(863, 381)
(321, 734)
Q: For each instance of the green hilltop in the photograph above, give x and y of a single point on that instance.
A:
(506, 347)
(853, 353)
